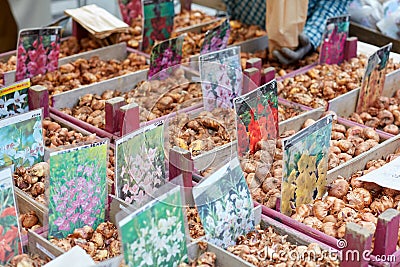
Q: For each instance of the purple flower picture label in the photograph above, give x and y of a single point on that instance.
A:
(221, 78)
(140, 164)
(10, 241)
(14, 98)
(37, 52)
(22, 140)
(164, 57)
(334, 40)
(76, 196)
(224, 204)
(158, 22)
(217, 38)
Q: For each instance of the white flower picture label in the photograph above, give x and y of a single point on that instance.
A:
(22, 143)
(154, 235)
(386, 176)
(14, 99)
(224, 204)
(221, 76)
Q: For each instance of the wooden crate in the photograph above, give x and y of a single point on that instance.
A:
(373, 37)
(123, 83)
(340, 101)
(346, 104)
(346, 170)
(117, 51)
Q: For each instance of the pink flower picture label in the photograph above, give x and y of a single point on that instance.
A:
(222, 78)
(78, 188)
(217, 38)
(334, 40)
(140, 166)
(131, 10)
(164, 56)
(37, 52)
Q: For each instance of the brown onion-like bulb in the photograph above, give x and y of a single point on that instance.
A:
(339, 188)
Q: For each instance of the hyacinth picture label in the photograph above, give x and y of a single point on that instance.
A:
(139, 166)
(22, 143)
(10, 243)
(37, 52)
(78, 188)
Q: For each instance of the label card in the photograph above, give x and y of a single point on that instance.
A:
(222, 78)
(334, 40)
(22, 140)
(374, 79)
(224, 204)
(154, 235)
(257, 118)
(139, 165)
(164, 56)
(130, 10)
(37, 52)
(10, 242)
(158, 22)
(14, 99)
(78, 188)
(386, 176)
(305, 165)
(217, 38)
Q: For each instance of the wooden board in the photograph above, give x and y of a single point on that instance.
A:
(371, 36)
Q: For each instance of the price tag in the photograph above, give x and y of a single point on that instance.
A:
(305, 165)
(386, 176)
(374, 79)
(334, 40)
